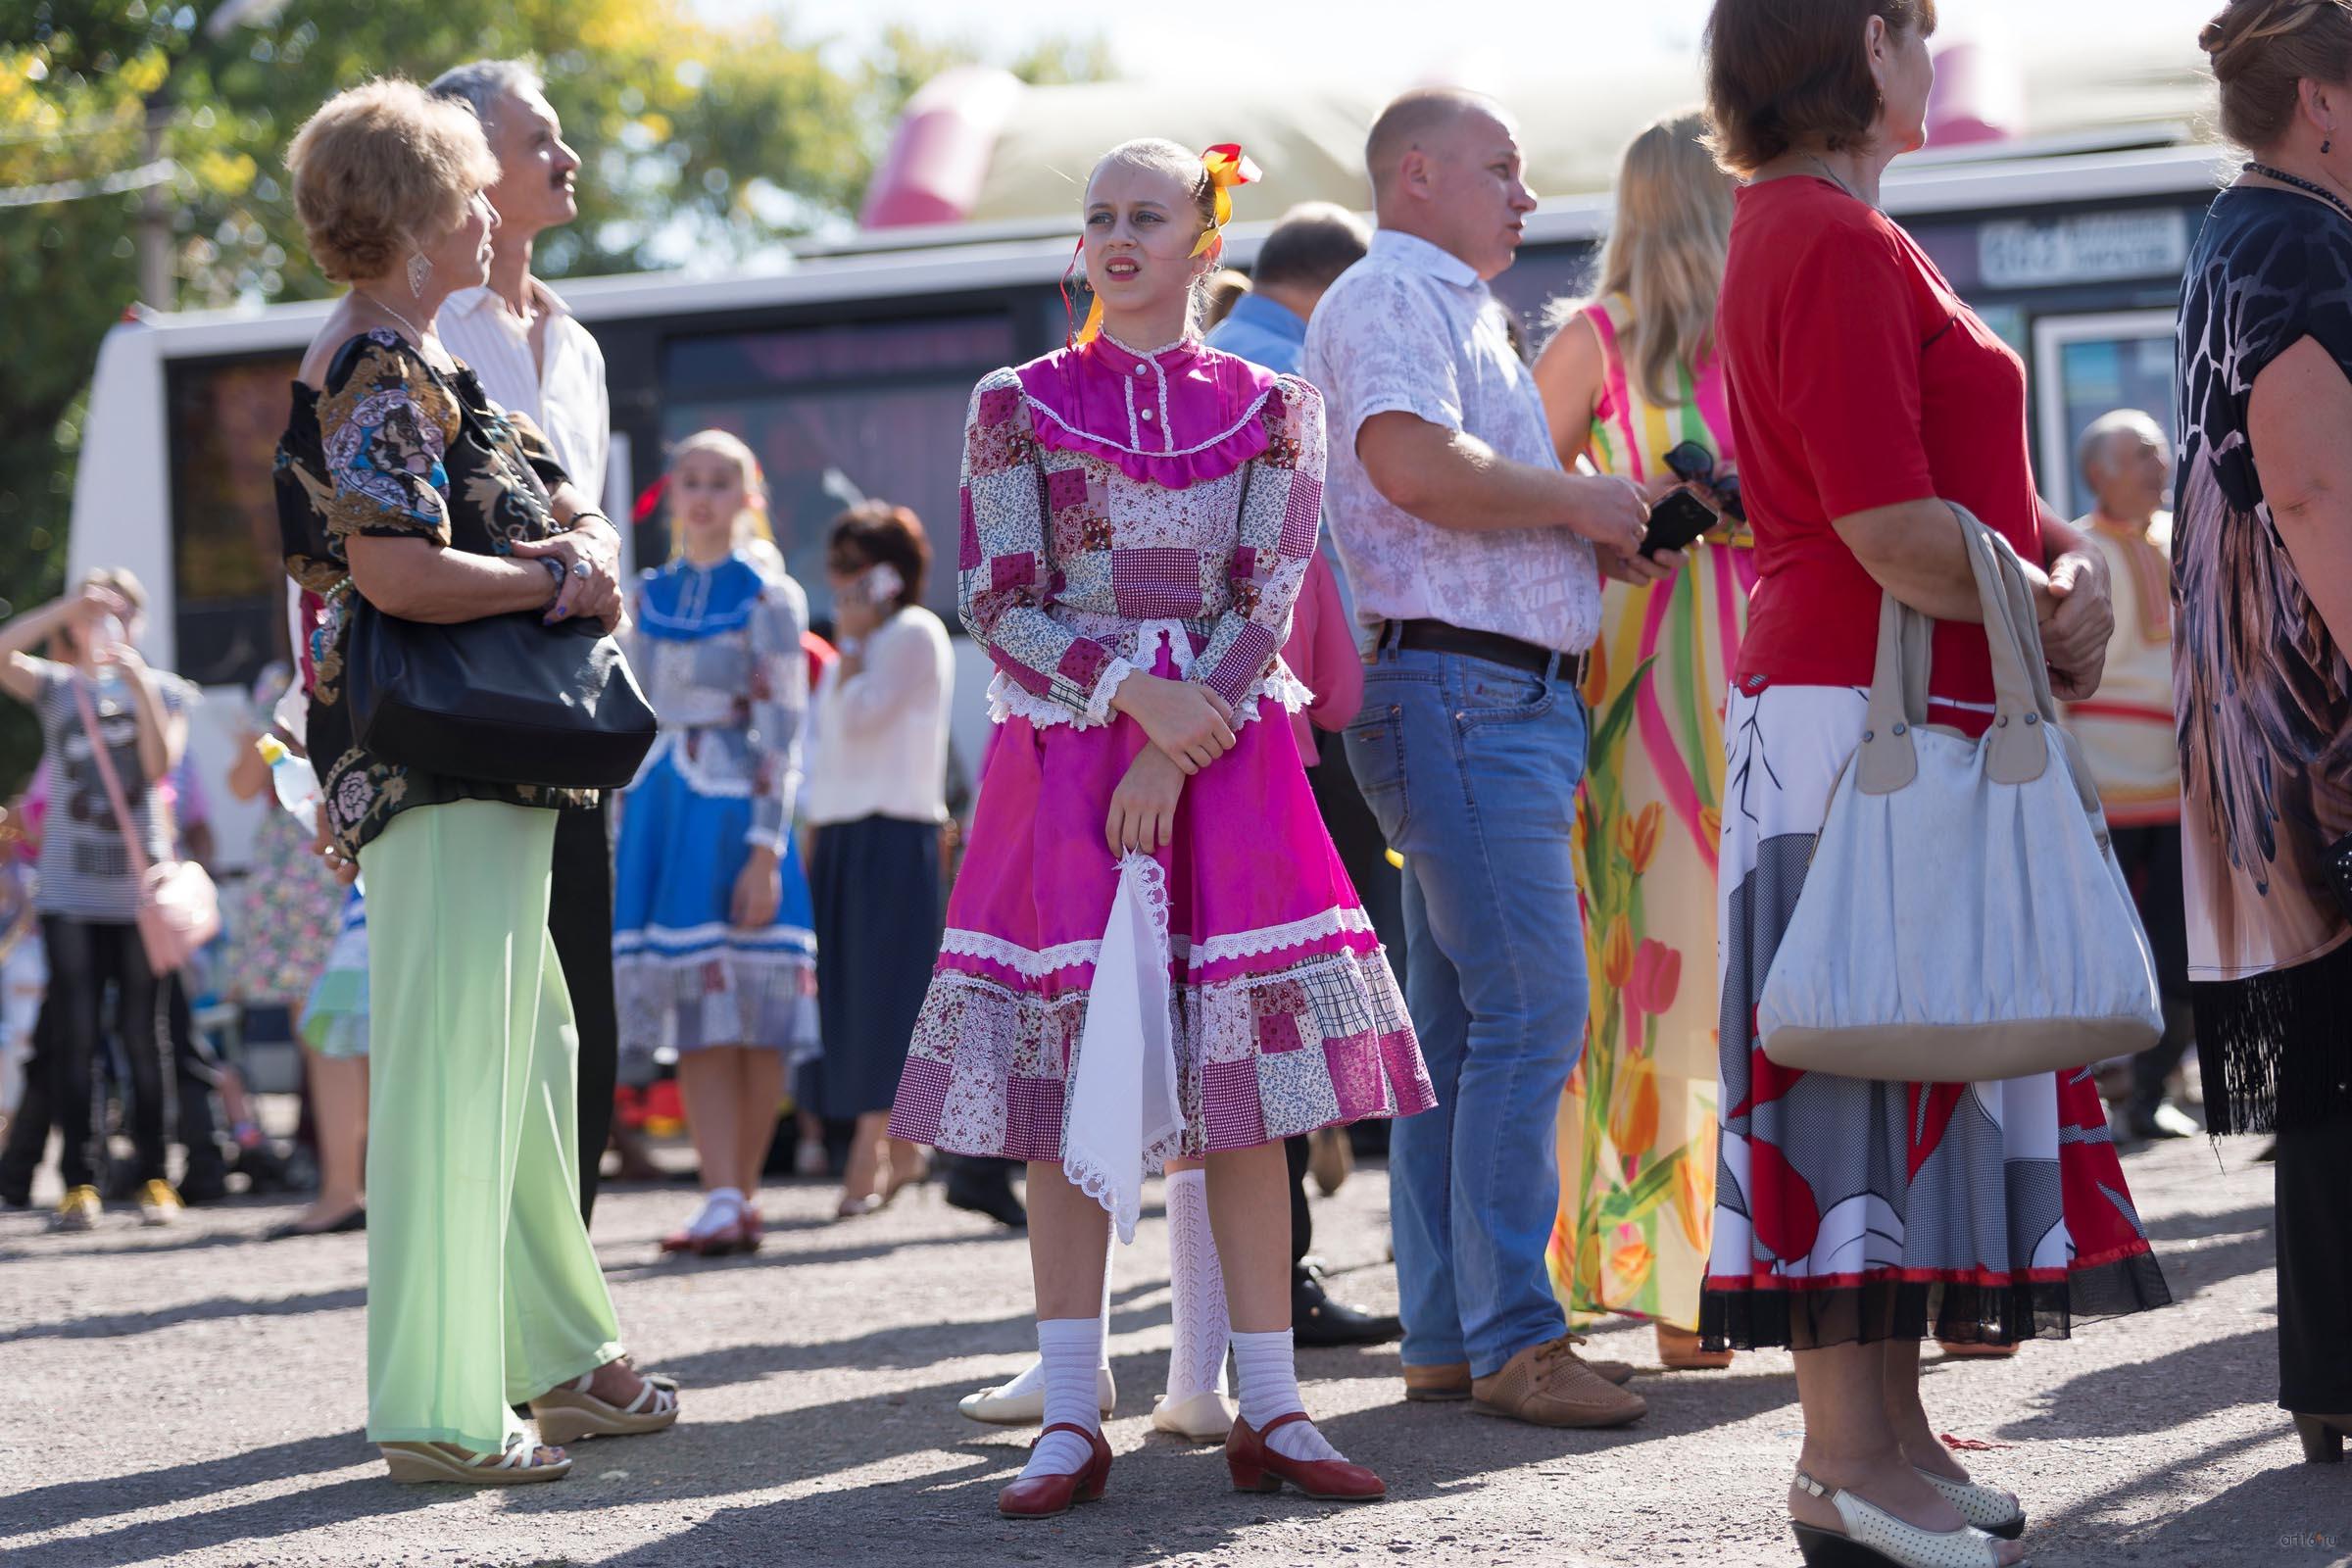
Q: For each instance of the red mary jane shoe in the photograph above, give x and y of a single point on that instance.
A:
(1043, 1496)
(1257, 1467)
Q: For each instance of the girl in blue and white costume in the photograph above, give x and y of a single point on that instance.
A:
(712, 943)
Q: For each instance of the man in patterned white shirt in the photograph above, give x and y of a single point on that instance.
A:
(1477, 566)
(535, 359)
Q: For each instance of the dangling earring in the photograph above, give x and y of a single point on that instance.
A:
(420, 272)
(2325, 147)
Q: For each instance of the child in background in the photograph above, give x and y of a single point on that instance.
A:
(711, 944)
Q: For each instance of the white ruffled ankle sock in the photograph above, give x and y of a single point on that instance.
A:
(1269, 1374)
(1069, 1349)
(1196, 1291)
(1033, 1376)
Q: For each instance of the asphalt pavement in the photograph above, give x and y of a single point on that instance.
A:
(194, 1395)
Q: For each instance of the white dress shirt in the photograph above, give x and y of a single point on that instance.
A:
(566, 397)
(879, 745)
(1411, 328)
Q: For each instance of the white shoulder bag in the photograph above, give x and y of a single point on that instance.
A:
(1963, 919)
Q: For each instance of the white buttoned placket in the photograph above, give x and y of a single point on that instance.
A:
(1147, 363)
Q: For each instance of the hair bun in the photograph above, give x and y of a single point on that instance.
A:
(2214, 36)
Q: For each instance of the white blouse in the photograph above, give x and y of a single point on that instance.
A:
(879, 745)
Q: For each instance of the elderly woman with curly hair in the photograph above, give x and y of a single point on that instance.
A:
(401, 484)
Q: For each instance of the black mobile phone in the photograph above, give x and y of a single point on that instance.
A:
(1679, 519)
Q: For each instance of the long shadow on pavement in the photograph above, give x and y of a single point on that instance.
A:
(106, 1326)
(2138, 1397)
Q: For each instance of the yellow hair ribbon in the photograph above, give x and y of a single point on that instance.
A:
(1227, 166)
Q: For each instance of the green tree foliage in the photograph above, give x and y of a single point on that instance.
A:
(702, 147)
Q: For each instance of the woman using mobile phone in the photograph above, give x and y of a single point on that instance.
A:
(711, 945)
(877, 795)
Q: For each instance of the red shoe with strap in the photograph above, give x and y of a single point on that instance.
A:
(1043, 1496)
(724, 1242)
(1257, 1466)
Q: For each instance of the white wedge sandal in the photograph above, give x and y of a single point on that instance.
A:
(1873, 1538)
(1989, 1508)
(422, 1463)
(572, 1414)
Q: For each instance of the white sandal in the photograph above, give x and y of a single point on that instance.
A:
(1876, 1538)
(1989, 1508)
(572, 1414)
(417, 1463)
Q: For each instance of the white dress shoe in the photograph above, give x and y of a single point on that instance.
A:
(996, 1407)
(1202, 1417)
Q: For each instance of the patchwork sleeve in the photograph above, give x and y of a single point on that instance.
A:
(385, 427)
(779, 704)
(1282, 508)
(1005, 578)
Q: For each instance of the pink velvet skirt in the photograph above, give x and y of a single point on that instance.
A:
(1286, 1015)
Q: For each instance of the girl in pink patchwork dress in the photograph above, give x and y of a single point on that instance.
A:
(1151, 950)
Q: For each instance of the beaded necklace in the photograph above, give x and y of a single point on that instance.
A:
(2313, 187)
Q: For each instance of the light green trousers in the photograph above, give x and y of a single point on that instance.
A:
(482, 1288)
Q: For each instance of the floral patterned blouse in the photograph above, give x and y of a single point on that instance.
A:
(1111, 495)
(392, 449)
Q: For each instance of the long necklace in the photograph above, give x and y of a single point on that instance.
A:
(1831, 176)
(2313, 186)
(396, 316)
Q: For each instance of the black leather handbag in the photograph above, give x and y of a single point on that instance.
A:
(507, 698)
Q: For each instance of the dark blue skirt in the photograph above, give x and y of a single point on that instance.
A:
(876, 886)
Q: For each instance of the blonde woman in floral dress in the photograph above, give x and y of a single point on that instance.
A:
(1630, 376)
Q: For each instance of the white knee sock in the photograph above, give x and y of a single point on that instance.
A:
(1033, 1376)
(1196, 1291)
(1068, 1347)
(1270, 1388)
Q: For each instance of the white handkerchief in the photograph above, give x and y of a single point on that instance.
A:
(1125, 1119)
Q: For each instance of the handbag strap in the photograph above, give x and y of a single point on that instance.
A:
(114, 785)
(2016, 745)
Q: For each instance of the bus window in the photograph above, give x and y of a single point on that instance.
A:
(2089, 366)
(838, 415)
(228, 573)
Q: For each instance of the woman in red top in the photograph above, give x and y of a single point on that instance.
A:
(1856, 1218)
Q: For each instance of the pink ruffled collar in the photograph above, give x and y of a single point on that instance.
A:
(1177, 415)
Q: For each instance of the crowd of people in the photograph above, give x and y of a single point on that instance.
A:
(1388, 725)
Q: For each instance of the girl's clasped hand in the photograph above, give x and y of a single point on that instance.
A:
(1190, 726)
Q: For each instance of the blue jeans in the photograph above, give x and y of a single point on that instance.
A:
(1472, 769)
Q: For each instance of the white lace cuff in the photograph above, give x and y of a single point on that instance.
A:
(1008, 698)
(1098, 706)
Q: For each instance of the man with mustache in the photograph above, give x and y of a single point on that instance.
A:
(536, 360)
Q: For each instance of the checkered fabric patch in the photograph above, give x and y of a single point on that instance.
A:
(1156, 583)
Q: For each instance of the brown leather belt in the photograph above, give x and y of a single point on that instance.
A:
(1440, 637)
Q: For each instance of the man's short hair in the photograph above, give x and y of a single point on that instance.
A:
(1410, 118)
(1313, 244)
(2091, 450)
(480, 83)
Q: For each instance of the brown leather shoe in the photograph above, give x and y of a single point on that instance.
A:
(1450, 1379)
(1549, 1385)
